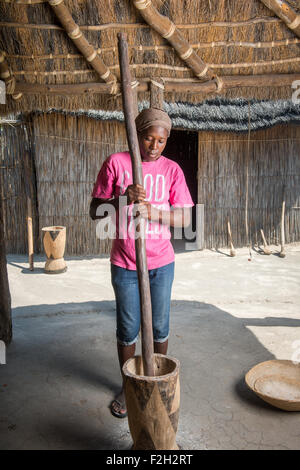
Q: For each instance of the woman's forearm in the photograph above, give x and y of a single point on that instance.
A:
(134, 192)
(180, 217)
(175, 218)
(95, 203)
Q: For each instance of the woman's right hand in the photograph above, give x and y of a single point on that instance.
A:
(135, 193)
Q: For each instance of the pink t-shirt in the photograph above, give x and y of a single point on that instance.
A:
(165, 186)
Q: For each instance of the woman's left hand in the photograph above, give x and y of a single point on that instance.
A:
(147, 211)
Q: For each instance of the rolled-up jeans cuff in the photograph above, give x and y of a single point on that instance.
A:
(161, 340)
(127, 343)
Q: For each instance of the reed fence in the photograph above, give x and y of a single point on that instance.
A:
(237, 179)
(69, 152)
(14, 148)
(271, 161)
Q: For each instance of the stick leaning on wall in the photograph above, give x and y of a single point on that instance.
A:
(266, 249)
(282, 251)
(232, 250)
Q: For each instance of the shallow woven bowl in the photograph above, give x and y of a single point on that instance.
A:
(276, 382)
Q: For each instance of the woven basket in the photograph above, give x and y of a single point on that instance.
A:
(277, 382)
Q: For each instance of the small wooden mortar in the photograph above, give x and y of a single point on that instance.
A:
(54, 241)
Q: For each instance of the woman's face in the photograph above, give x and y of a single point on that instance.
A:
(152, 142)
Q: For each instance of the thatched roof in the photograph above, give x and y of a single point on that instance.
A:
(233, 37)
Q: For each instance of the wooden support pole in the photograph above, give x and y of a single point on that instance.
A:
(78, 38)
(5, 299)
(168, 30)
(140, 245)
(233, 81)
(157, 93)
(188, 87)
(286, 13)
(69, 89)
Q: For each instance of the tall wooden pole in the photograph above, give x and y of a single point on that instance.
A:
(5, 299)
(140, 246)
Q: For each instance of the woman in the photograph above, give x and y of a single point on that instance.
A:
(164, 186)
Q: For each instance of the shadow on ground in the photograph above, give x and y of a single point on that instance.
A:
(62, 372)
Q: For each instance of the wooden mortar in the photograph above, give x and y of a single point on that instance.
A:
(152, 403)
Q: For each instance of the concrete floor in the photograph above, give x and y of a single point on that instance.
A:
(228, 314)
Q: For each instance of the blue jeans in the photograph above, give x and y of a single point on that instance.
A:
(125, 284)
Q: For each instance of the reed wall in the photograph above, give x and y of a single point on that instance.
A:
(14, 145)
(271, 161)
(69, 152)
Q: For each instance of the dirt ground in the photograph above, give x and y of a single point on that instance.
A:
(227, 315)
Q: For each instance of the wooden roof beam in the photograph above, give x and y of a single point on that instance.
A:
(184, 86)
(168, 30)
(78, 38)
(286, 13)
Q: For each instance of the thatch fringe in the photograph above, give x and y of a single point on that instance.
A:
(110, 103)
(212, 115)
(224, 115)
